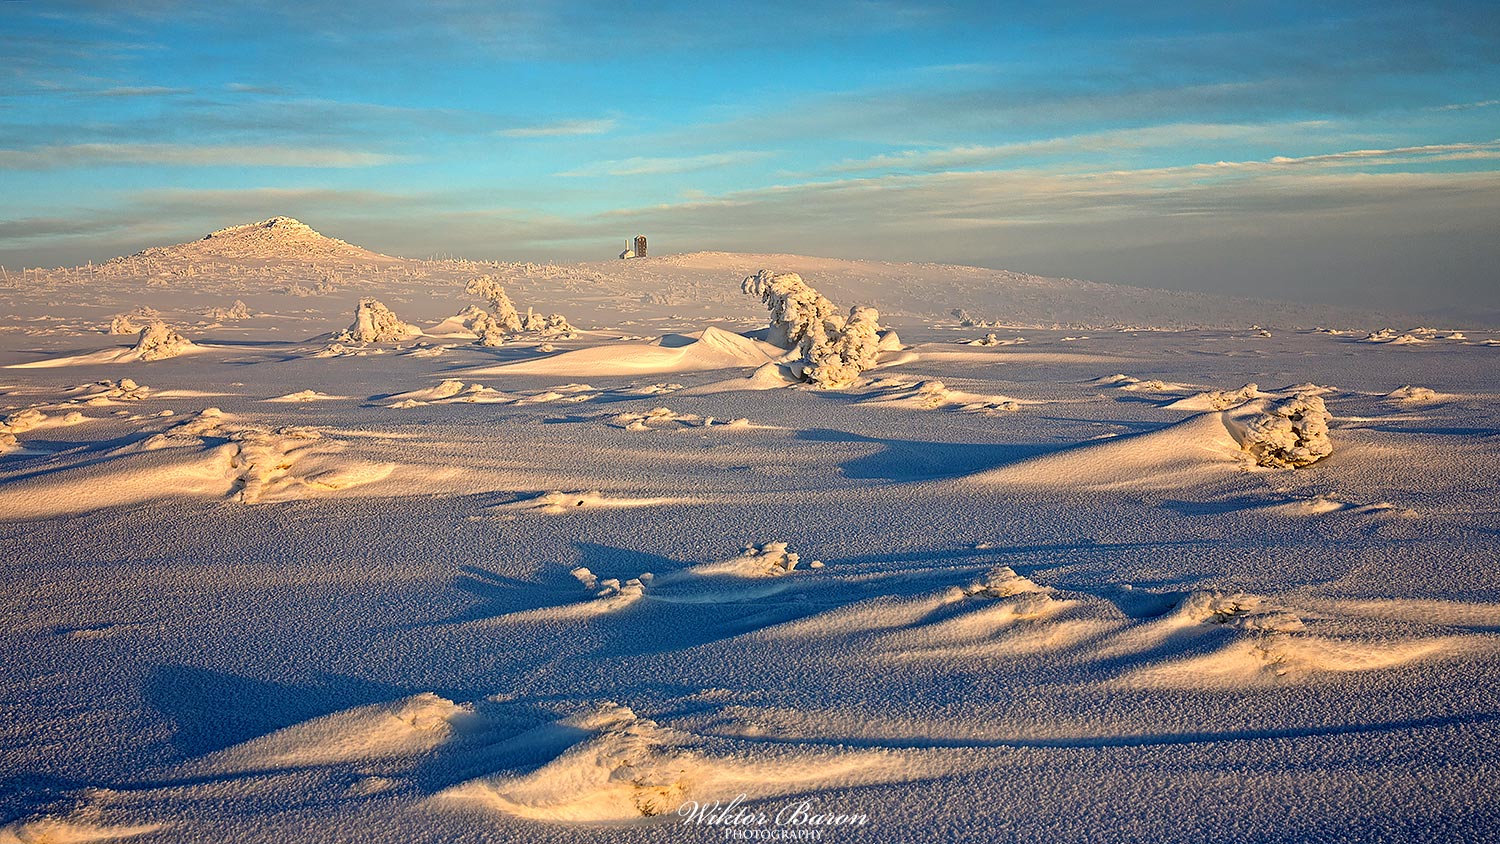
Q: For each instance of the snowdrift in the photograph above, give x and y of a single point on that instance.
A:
(211, 455)
(157, 341)
(1196, 449)
(713, 348)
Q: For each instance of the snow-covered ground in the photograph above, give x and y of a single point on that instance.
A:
(573, 583)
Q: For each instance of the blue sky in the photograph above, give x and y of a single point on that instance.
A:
(1289, 150)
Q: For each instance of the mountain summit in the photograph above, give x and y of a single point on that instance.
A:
(279, 239)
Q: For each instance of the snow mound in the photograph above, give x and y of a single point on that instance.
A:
(1217, 399)
(471, 322)
(159, 341)
(769, 560)
(375, 323)
(664, 417)
(31, 418)
(124, 325)
(1414, 395)
(339, 350)
(935, 395)
(109, 392)
(450, 391)
(713, 348)
(1389, 337)
(234, 313)
(303, 396)
(1001, 582)
(1283, 433)
(992, 339)
(1132, 384)
(1186, 453)
(556, 502)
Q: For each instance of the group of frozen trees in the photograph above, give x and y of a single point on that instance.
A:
(491, 328)
(376, 323)
(835, 348)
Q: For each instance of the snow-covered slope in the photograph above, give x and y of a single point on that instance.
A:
(282, 256)
(1010, 584)
(276, 239)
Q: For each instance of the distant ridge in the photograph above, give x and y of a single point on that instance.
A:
(279, 239)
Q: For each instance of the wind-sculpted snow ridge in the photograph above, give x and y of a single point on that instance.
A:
(70, 829)
(157, 341)
(407, 727)
(713, 348)
(1196, 639)
(450, 391)
(558, 502)
(628, 768)
(375, 323)
(212, 454)
(1217, 399)
(769, 560)
(1285, 433)
(834, 348)
(665, 417)
(1280, 432)
(935, 395)
(1415, 395)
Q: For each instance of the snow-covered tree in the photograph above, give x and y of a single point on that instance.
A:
(839, 362)
(800, 316)
(835, 348)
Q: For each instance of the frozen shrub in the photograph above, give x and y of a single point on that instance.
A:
(1289, 433)
(159, 341)
(549, 324)
(123, 324)
(375, 323)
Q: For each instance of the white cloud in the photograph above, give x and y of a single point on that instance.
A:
(181, 155)
(562, 128)
(1467, 106)
(640, 166)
